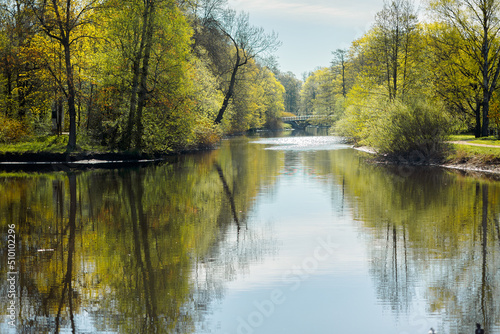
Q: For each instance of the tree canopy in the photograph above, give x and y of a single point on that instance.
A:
(145, 76)
(162, 75)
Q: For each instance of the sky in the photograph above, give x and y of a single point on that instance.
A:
(310, 30)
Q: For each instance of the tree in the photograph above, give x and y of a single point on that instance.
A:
(258, 100)
(317, 94)
(272, 98)
(477, 22)
(140, 71)
(292, 91)
(454, 74)
(26, 86)
(394, 28)
(63, 21)
(247, 41)
(340, 62)
(146, 77)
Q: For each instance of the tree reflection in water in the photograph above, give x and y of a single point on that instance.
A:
(143, 250)
(431, 231)
(150, 250)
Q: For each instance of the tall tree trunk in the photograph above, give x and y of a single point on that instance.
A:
(89, 106)
(139, 76)
(486, 77)
(133, 99)
(143, 88)
(344, 93)
(477, 131)
(230, 90)
(71, 97)
(486, 120)
(395, 68)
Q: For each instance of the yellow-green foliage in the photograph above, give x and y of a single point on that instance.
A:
(319, 96)
(258, 100)
(361, 106)
(11, 130)
(207, 98)
(273, 99)
(417, 128)
(206, 133)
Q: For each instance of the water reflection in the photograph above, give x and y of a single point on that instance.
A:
(432, 233)
(166, 248)
(122, 250)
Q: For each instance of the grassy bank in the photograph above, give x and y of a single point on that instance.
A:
(468, 149)
(53, 149)
(47, 144)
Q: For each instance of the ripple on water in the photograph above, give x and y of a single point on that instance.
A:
(304, 143)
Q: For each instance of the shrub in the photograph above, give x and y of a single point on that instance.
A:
(206, 134)
(12, 130)
(414, 131)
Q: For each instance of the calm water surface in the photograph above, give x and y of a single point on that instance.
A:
(265, 235)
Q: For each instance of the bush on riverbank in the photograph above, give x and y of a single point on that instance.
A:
(207, 134)
(12, 130)
(414, 132)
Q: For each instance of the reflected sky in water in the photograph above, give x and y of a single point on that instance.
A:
(311, 143)
(320, 274)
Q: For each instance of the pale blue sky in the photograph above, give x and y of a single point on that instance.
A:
(310, 30)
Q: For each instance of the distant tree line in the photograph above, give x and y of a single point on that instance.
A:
(408, 77)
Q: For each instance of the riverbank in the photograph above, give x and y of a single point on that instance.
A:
(465, 156)
(46, 161)
(49, 153)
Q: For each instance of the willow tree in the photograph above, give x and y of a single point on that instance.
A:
(477, 22)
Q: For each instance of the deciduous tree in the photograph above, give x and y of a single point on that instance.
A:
(395, 30)
(247, 41)
(477, 22)
(63, 21)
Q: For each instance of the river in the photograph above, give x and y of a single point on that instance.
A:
(285, 234)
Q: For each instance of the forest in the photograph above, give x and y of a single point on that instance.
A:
(165, 75)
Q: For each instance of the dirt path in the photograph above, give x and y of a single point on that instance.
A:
(463, 142)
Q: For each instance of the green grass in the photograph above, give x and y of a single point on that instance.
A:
(47, 144)
(478, 150)
(461, 137)
(491, 140)
(462, 153)
(475, 155)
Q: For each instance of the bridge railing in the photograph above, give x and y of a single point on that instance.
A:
(299, 118)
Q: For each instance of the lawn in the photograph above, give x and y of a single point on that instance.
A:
(475, 154)
(47, 144)
(491, 140)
